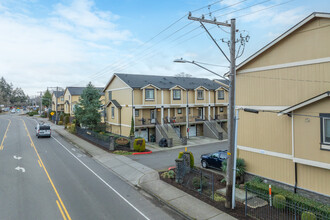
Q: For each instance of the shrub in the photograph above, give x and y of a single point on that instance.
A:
(240, 167)
(72, 128)
(168, 175)
(196, 182)
(66, 120)
(171, 173)
(218, 198)
(61, 117)
(191, 158)
(308, 216)
(279, 201)
(60, 123)
(139, 144)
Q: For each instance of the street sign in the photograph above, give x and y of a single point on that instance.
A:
(52, 113)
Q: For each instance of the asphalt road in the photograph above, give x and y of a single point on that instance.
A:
(162, 160)
(48, 178)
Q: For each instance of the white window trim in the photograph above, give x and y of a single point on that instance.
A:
(200, 90)
(324, 143)
(149, 99)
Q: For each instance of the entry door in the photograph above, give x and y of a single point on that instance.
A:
(152, 116)
(200, 113)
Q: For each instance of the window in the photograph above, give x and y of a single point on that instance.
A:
(112, 112)
(179, 110)
(136, 113)
(325, 131)
(110, 95)
(62, 99)
(150, 94)
(221, 95)
(200, 94)
(176, 94)
(221, 109)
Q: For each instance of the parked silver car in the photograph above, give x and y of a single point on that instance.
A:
(43, 130)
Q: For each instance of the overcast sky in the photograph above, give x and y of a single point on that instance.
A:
(70, 42)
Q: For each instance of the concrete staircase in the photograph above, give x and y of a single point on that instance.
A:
(170, 132)
(212, 128)
(220, 129)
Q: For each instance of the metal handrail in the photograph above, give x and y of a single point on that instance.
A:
(160, 128)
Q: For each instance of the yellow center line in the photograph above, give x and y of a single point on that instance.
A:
(39, 163)
(60, 208)
(50, 180)
(5, 135)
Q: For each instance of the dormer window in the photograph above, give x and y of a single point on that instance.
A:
(200, 94)
(176, 94)
(221, 95)
(110, 95)
(150, 94)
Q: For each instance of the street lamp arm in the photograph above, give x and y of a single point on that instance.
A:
(210, 71)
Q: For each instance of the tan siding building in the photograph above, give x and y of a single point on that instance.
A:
(288, 81)
(177, 102)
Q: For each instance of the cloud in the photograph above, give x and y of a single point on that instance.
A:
(61, 49)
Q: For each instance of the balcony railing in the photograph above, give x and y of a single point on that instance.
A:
(144, 121)
(221, 117)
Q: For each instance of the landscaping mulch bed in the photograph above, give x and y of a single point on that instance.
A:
(238, 212)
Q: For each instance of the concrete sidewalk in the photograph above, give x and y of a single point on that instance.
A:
(147, 179)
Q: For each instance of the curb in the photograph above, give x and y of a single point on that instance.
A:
(139, 153)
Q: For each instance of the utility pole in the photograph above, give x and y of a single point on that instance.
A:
(231, 121)
(230, 183)
(40, 102)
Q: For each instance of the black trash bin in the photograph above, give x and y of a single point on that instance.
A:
(163, 142)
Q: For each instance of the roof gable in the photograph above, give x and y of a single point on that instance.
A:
(286, 35)
(304, 103)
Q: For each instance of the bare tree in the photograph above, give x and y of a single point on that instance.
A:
(182, 74)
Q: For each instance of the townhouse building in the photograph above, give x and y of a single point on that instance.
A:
(58, 99)
(71, 98)
(288, 82)
(163, 106)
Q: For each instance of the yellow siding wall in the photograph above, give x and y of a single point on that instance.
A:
(265, 131)
(313, 178)
(307, 135)
(310, 41)
(275, 168)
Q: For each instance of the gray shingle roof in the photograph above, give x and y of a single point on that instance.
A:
(79, 90)
(223, 81)
(58, 93)
(166, 82)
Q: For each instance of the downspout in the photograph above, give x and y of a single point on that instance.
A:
(120, 120)
(295, 164)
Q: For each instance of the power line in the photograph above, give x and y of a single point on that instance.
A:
(242, 9)
(209, 64)
(119, 62)
(264, 9)
(289, 114)
(220, 9)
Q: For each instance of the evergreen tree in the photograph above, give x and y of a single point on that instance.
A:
(47, 99)
(131, 133)
(87, 111)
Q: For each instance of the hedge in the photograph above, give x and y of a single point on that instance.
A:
(290, 197)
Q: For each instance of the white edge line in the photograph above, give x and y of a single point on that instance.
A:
(102, 180)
